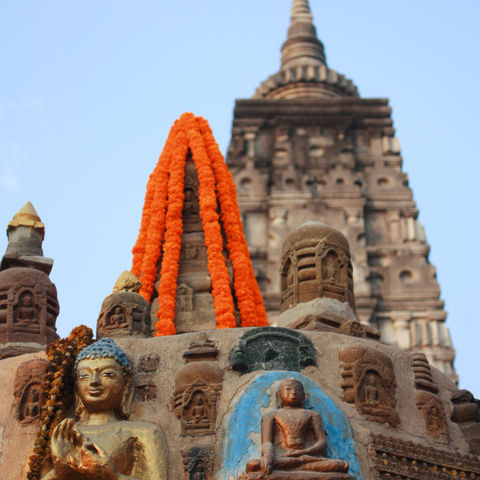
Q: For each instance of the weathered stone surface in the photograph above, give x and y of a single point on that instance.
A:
(29, 396)
(28, 307)
(270, 348)
(466, 412)
(198, 463)
(124, 313)
(164, 360)
(394, 458)
(315, 263)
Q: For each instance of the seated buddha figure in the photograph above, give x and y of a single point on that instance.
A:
(102, 444)
(293, 442)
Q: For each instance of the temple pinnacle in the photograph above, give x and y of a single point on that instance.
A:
(302, 45)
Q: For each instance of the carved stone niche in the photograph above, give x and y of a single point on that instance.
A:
(272, 348)
(148, 363)
(466, 412)
(396, 459)
(316, 262)
(124, 313)
(430, 407)
(198, 463)
(28, 390)
(369, 383)
(28, 307)
(198, 386)
(431, 410)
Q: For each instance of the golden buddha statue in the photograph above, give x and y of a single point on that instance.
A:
(101, 444)
(293, 442)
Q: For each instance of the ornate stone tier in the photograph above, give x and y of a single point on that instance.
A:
(313, 81)
(203, 405)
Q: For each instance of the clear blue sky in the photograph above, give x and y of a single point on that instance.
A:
(88, 91)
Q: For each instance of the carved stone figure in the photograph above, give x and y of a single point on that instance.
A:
(26, 312)
(431, 410)
(369, 383)
(28, 390)
(294, 445)
(101, 444)
(185, 296)
(197, 388)
(429, 405)
(125, 311)
(272, 348)
(28, 306)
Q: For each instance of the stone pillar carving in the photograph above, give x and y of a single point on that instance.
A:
(28, 299)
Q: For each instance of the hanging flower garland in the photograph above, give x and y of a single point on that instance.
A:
(167, 289)
(159, 240)
(249, 299)
(222, 295)
(58, 388)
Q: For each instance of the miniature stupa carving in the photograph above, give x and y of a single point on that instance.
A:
(191, 255)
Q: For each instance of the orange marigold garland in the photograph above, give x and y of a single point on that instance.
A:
(217, 267)
(58, 389)
(249, 299)
(161, 230)
(167, 289)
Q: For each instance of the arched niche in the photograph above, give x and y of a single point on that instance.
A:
(242, 429)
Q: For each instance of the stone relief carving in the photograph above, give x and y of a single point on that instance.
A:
(125, 311)
(430, 407)
(185, 298)
(28, 306)
(102, 444)
(198, 386)
(272, 348)
(28, 390)
(191, 206)
(396, 459)
(148, 363)
(369, 383)
(293, 445)
(197, 463)
(146, 392)
(315, 263)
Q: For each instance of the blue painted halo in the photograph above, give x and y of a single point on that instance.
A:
(242, 431)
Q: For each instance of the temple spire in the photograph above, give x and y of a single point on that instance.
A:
(302, 45)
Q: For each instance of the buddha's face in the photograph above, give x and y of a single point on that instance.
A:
(292, 393)
(100, 384)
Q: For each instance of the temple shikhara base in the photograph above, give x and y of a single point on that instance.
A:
(295, 335)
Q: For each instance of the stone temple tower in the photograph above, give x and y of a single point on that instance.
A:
(306, 146)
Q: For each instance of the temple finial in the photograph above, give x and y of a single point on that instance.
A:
(25, 236)
(302, 45)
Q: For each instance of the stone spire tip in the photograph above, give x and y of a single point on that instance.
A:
(27, 216)
(302, 45)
